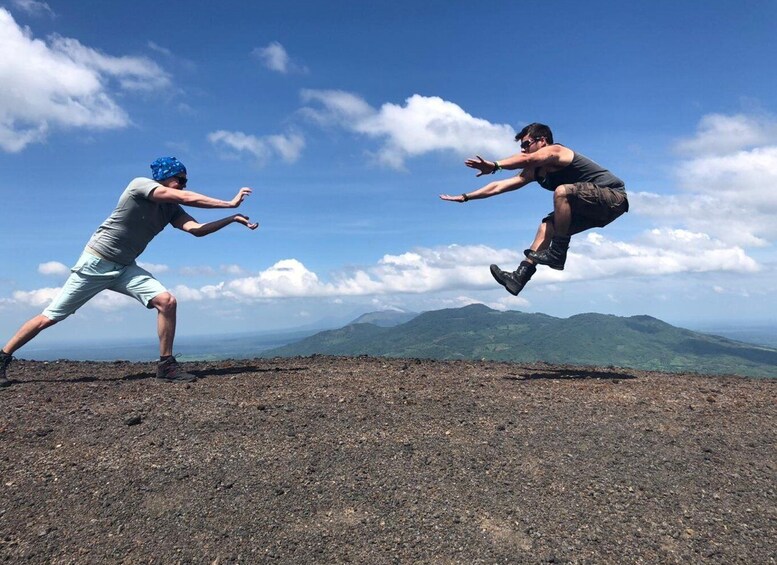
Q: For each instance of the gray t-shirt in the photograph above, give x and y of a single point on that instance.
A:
(133, 224)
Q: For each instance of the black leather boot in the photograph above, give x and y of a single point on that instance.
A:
(5, 360)
(554, 256)
(515, 281)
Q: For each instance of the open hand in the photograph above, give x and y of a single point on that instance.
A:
(452, 198)
(240, 196)
(241, 219)
(485, 167)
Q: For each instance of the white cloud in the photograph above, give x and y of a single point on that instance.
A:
(417, 272)
(183, 292)
(109, 301)
(731, 291)
(61, 83)
(288, 147)
(53, 268)
(286, 278)
(730, 196)
(655, 253)
(106, 301)
(275, 57)
(423, 125)
(456, 268)
(508, 302)
(337, 105)
(33, 7)
(235, 270)
(721, 134)
(449, 276)
(133, 73)
(39, 298)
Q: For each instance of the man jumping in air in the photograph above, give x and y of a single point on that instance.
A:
(145, 207)
(585, 196)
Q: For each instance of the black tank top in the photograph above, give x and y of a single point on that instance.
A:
(581, 169)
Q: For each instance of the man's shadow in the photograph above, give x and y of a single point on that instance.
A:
(201, 373)
(571, 374)
(220, 372)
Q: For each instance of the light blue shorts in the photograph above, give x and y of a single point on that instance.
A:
(91, 275)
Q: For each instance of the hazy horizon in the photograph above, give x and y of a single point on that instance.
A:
(245, 344)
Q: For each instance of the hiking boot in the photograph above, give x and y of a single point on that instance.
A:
(5, 360)
(515, 281)
(169, 370)
(554, 256)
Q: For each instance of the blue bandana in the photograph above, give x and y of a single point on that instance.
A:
(166, 167)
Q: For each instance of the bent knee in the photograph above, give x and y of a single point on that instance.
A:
(164, 302)
(44, 322)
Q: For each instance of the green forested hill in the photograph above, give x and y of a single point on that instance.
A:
(478, 332)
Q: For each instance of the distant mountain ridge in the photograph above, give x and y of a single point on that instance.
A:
(385, 318)
(479, 332)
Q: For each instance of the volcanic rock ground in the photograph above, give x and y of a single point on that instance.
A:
(366, 460)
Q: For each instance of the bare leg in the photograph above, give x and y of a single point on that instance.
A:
(562, 211)
(555, 255)
(166, 306)
(542, 240)
(29, 330)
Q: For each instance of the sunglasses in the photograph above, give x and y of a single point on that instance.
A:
(526, 144)
(181, 180)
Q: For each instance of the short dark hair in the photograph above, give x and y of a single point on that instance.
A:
(535, 130)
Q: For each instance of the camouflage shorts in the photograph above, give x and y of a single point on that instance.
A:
(593, 206)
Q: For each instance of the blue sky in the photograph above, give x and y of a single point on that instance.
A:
(349, 122)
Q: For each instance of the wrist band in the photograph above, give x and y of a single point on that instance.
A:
(496, 167)
(465, 197)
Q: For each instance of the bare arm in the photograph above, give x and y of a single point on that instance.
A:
(550, 157)
(493, 188)
(188, 224)
(190, 198)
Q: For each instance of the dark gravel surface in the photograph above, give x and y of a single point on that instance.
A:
(365, 460)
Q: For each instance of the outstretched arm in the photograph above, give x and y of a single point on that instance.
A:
(493, 188)
(190, 198)
(553, 156)
(188, 224)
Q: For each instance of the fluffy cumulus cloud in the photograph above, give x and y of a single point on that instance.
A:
(422, 125)
(275, 57)
(417, 272)
(460, 270)
(287, 278)
(60, 82)
(656, 252)
(39, 298)
(727, 188)
(286, 146)
(719, 134)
